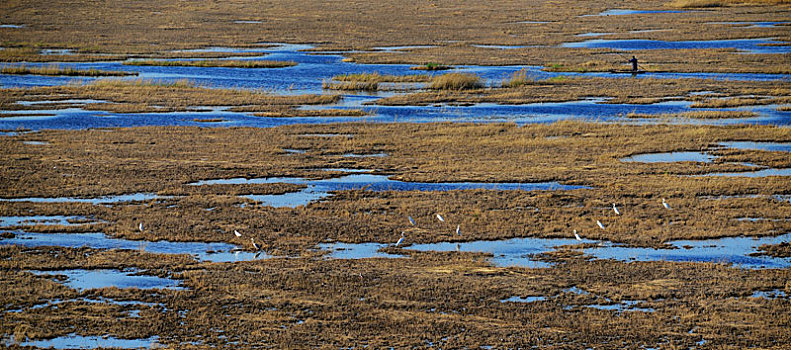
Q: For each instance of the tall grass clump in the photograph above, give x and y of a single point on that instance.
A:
(351, 85)
(379, 78)
(522, 77)
(456, 81)
(142, 83)
(55, 70)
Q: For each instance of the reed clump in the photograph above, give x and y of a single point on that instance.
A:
(351, 85)
(456, 81)
(519, 78)
(431, 67)
(382, 78)
(56, 70)
(699, 115)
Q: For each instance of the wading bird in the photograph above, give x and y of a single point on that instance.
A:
(412, 221)
(255, 246)
(140, 227)
(664, 204)
(458, 230)
(237, 233)
(440, 218)
(600, 224)
(615, 209)
(400, 240)
(577, 236)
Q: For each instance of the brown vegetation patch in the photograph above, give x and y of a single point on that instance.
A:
(215, 63)
(780, 250)
(151, 28)
(449, 299)
(92, 163)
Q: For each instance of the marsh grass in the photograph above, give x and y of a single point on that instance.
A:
(522, 77)
(455, 81)
(723, 3)
(215, 63)
(453, 299)
(699, 115)
(146, 95)
(56, 70)
(431, 67)
(350, 85)
(380, 78)
(739, 101)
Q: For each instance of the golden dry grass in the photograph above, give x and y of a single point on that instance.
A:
(139, 96)
(56, 70)
(721, 3)
(215, 63)
(699, 115)
(455, 81)
(449, 299)
(166, 159)
(455, 27)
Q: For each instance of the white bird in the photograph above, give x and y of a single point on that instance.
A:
(600, 224)
(664, 204)
(440, 218)
(577, 236)
(237, 233)
(412, 221)
(400, 240)
(615, 209)
(458, 230)
(255, 246)
(140, 227)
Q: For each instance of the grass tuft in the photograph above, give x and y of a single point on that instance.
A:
(55, 70)
(456, 81)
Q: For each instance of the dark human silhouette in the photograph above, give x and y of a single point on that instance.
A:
(633, 61)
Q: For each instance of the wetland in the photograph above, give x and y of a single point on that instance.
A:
(464, 175)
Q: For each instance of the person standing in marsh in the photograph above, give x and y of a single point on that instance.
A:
(633, 61)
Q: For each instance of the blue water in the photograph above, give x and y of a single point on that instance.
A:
(10, 221)
(521, 251)
(757, 173)
(671, 157)
(220, 252)
(623, 12)
(747, 45)
(94, 279)
(307, 77)
(762, 146)
(73, 341)
(99, 200)
(317, 189)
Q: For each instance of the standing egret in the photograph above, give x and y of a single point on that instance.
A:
(237, 233)
(400, 240)
(615, 209)
(664, 204)
(255, 246)
(458, 230)
(412, 221)
(140, 227)
(600, 224)
(440, 218)
(577, 236)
